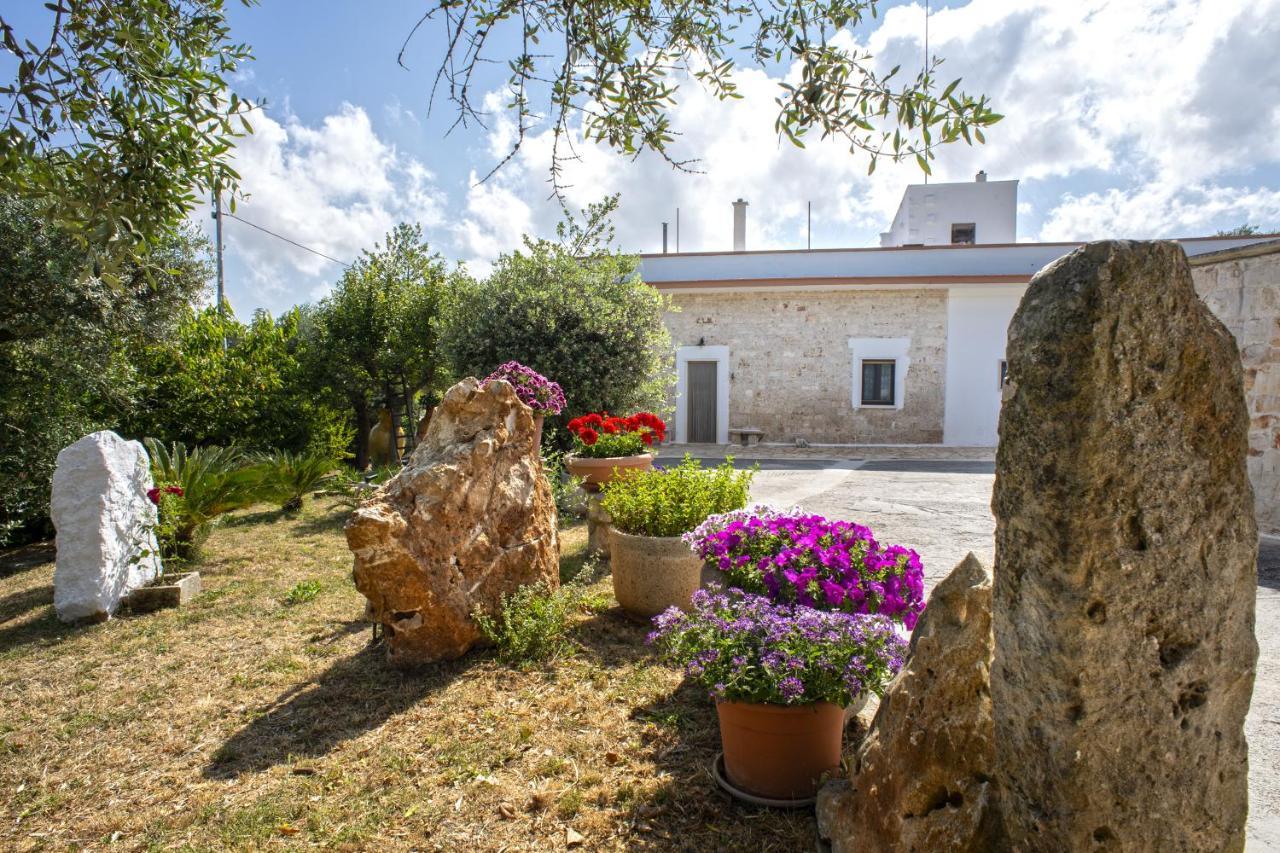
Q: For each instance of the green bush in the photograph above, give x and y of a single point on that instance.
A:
(213, 480)
(532, 624)
(302, 592)
(574, 311)
(675, 501)
(289, 477)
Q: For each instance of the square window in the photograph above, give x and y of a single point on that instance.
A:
(964, 232)
(877, 382)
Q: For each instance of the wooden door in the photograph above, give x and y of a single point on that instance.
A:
(702, 402)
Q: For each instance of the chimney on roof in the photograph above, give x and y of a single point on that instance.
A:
(739, 226)
(981, 177)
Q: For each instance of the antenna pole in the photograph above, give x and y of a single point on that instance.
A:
(677, 230)
(809, 232)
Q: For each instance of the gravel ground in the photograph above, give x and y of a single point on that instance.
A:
(942, 509)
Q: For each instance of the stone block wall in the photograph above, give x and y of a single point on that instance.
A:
(791, 370)
(1242, 287)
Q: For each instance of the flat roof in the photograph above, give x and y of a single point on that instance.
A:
(994, 263)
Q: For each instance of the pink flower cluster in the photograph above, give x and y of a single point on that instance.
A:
(794, 557)
(534, 390)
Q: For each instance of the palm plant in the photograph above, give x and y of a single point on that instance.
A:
(289, 477)
(213, 481)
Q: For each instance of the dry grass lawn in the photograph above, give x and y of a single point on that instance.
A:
(261, 717)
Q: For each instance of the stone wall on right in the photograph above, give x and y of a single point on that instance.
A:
(1242, 288)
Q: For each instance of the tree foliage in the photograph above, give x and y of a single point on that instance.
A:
(615, 65)
(374, 341)
(67, 345)
(118, 116)
(218, 381)
(574, 311)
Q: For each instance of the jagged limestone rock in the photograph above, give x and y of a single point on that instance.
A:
(468, 519)
(1125, 564)
(920, 779)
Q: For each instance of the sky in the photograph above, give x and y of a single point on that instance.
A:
(1124, 118)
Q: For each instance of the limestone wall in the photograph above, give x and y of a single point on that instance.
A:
(791, 369)
(1242, 287)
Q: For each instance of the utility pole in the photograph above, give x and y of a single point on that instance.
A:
(217, 230)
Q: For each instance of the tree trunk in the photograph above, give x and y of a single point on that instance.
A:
(363, 425)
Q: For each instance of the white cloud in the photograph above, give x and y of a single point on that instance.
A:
(1159, 210)
(1145, 104)
(334, 186)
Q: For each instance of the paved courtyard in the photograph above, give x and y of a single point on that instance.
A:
(941, 507)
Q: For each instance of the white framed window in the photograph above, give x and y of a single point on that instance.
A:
(879, 372)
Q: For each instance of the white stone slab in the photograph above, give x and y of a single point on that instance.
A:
(104, 521)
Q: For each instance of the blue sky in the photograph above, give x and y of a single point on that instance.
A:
(1140, 118)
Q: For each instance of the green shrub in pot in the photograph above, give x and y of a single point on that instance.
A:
(674, 501)
(652, 567)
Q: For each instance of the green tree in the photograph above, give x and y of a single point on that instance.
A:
(67, 345)
(118, 116)
(375, 339)
(253, 393)
(573, 310)
(1245, 230)
(616, 64)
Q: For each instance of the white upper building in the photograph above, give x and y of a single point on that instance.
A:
(979, 211)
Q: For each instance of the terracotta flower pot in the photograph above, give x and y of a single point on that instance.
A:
(780, 751)
(652, 573)
(596, 472)
(538, 418)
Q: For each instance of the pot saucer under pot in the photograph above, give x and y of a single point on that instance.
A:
(722, 779)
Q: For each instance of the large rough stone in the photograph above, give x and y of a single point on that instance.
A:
(920, 779)
(468, 519)
(1125, 562)
(105, 523)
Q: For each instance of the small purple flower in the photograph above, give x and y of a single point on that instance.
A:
(534, 390)
(791, 688)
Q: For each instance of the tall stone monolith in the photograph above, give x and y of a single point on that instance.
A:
(1125, 564)
(105, 523)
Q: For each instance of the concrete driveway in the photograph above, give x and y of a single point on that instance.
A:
(943, 510)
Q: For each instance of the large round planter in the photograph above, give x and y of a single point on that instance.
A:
(780, 752)
(596, 472)
(652, 573)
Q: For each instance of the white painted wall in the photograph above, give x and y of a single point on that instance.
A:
(977, 328)
(720, 355)
(927, 212)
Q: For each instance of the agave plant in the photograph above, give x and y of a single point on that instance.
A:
(213, 481)
(289, 477)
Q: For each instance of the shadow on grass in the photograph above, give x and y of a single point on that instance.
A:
(25, 557)
(351, 697)
(328, 521)
(20, 603)
(248, 519)
(612, 638)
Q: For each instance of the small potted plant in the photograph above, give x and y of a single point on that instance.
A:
(534, 390)
(606, 447)
(780, 675)
(796, 557)
(652, 567)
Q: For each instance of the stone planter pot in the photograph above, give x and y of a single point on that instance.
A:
(596, 472)
(652, 573)
(780, 752)
(172, 591)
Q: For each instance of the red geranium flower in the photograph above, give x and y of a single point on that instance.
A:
(174, 490)
(153, 495)
(589, 436)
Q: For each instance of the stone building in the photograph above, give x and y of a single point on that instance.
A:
(904, 344)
